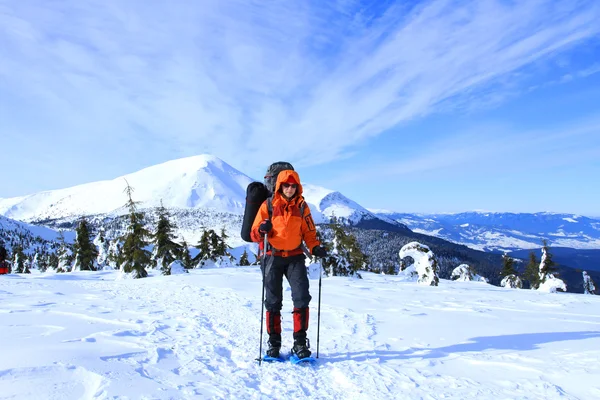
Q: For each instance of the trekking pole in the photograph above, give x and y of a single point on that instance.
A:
(319, 309)
(262, 300)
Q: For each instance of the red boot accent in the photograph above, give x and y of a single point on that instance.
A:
(300, 319)
(273, 322)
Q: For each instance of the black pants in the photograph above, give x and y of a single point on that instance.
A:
(294, 270)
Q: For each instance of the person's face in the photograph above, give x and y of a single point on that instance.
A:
(289, 189)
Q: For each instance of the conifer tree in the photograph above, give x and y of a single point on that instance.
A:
(509, 274)
(18, 264)
(103, 246)
(185, 257)
(53, 261)
(547, 265)
(508, 266)
(85, 251)
(166, 250)
(588, 284)
(346, 258)
(134, 256)
(244, 259)
(42, 261)
(532, 274)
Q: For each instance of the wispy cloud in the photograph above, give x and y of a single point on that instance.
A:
(489, 150)
(296, 79)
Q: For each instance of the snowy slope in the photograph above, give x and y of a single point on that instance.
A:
(202, 181)
(87, 335)
(505, 231)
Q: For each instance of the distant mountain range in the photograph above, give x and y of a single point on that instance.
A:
(200, 192)
(499, 232)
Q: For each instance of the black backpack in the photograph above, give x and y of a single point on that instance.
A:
(257, 193)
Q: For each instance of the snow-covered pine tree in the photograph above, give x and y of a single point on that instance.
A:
(425, 262)
(134, 256)
(42, 261)
(204, 249)
(547, 265)
(53, 261)
(532, 273)
(26, 265)
(547, 272)
(588, 284)
(18, 263)
(345, 257)
(244, 259)
(84, 250)
(103, 245)
(113, 259)
(509, 275)
(462, 273)
(166, 250)
(185, 257)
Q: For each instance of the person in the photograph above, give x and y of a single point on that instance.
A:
(3, 263)
(286, 230)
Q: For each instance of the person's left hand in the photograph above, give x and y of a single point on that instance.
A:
(319, 251)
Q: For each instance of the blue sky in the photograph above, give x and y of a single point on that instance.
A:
(435, 106)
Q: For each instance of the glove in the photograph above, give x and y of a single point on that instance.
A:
(265, 227)
(319, 251)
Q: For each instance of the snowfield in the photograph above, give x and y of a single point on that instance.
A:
(90, 335)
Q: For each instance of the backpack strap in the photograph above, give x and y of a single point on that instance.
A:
(270, 207)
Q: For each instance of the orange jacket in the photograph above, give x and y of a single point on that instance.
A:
(289, 227)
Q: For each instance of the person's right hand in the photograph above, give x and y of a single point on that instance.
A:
(265, 227)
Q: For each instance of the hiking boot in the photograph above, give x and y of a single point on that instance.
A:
(301, 350)
(273, 351)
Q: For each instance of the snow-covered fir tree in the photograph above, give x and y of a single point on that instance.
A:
(532, 273)
(134, 257)
(345, 256)
(113, 258)
(212, 248)
(588, 284)
(18, 262)
(547, 272)
(41, 261)
(166, 250)
(466, 273)
(103, 245)
(85, 251)
(244, 259)
(185, 256)
(462, 273)
(425, 264)
(510, 279)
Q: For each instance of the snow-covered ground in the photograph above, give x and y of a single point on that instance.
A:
(88, 335)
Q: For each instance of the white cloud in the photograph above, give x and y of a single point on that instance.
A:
(241, 78)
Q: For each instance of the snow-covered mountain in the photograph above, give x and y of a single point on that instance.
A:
(200, 192)
(505, 231)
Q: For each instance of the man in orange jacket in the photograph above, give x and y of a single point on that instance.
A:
(287, 228)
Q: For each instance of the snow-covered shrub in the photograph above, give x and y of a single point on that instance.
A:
(464, 273)
(588, 284)
(552, 285)
(512, 281)
(425, 263)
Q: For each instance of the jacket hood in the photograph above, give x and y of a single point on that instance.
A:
(284, 176)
